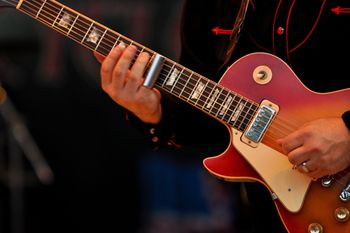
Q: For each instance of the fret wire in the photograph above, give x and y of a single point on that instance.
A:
(178, 85)
(205, 102)
(97, 28)
(168, 75)
(244, 117)
(82, 27)
(182, 77)
(240, 117)
(214, 101)
(98, 44)
(227, 101)
(234, 111)
(82, 41)
(228, 104)
(105, 43)
(203, 91)
(142, 49)
(40, 9)
(53, 24)
(177, 79)
(171, 78)
(222, 104)
(194, 88)
(101, 31)
(72, 25)
(22, 7)
(187, 80)
(249, 114)
(219, 97)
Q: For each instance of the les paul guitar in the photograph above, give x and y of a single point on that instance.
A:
(259, 99)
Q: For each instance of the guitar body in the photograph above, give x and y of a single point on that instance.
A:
(254, 80)
(297, 105)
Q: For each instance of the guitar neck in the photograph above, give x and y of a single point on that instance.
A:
(174, 78)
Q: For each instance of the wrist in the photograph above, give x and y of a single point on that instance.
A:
(346, 118)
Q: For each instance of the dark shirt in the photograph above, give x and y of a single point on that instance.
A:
(311, 36)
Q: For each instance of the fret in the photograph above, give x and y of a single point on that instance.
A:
(236, 110)
(241, 115)
(173, 78)
(208, 90)
(201, 86)
(171, 81)
(196, 89)
(28, 9)
(214, 93)
(168, 75)
(250, 114)
(98, 44)
(53, 24)
(72, 26)
(87, 32)
(185, 90)
(179, 83)
(221, 104)
(213, 101)
(92, 36)
(116, 42)
(42, 5)
(177, 80)
(107, 42)
(64, 22)
(79, 30)
(226, 107)
(142, 49)
(242, 119)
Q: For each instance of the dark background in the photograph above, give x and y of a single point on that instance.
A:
(53, 84)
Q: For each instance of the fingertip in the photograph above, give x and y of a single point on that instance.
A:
(99, 57)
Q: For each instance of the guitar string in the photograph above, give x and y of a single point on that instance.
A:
(220, 106)
(104, 43)
(76, 23)
(85, 28)
(118, 39)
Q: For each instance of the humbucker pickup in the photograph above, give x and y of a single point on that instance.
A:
(260, 123)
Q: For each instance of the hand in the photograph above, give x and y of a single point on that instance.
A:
(323, 144)
(125, 85)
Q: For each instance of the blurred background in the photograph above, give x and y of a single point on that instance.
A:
(103, 178)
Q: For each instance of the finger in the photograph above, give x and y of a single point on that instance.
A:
(291, 142)
(298, 156)
(135, 78)
(99, 57)
(121, 69)
(108, 65)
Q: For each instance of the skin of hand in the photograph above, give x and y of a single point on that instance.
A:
(125, 85)
(324, 144)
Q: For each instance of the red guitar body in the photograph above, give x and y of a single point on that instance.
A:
(297, 105)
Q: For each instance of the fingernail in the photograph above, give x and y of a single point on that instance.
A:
(122, 45)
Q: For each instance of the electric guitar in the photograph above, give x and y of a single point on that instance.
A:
(259, 99)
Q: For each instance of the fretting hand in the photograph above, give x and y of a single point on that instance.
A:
(125, 85)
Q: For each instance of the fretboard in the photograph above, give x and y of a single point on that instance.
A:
(175, 79)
